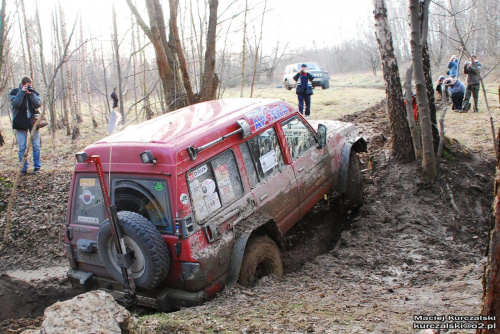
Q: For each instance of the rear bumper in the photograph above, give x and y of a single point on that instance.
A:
(165, 299)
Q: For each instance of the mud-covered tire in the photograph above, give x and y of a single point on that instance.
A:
(354, 192)
(325, 85)
(262, 258)
(151, 260)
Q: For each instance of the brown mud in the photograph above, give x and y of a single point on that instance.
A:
(412, 248)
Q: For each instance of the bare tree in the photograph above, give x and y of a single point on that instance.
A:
(417, 41)
(402, 147)
(118, 65)
(257, 46)
(243, 50)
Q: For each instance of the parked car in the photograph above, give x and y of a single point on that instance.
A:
(204, 195)
(321, 78)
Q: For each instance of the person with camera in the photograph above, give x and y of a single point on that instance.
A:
(304, 89)
(453, 67)
(472, 69)
(457, 90)
(25, 102)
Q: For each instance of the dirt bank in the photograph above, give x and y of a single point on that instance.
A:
(408, 251)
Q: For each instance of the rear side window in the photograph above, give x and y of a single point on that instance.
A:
(262, 155)
(214, 184)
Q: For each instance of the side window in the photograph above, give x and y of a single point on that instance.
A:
(214, 184)
(262, 156)
(298, 136)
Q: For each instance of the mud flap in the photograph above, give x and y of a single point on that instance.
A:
(236, 259)
(358, 144)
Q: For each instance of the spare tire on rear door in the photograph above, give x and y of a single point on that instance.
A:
(150, 257)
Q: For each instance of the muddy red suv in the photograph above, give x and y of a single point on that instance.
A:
(204, 195)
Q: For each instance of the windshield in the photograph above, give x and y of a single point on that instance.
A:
(312, 66)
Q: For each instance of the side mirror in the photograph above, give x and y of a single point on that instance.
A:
(321, 135)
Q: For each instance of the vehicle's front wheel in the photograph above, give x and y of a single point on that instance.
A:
(354, 192)
(325, 84)
(262, 258)
(150, 257)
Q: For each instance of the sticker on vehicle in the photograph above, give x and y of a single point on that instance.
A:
(87, 182)
(268, 161)
(184, 198)
(159, 186)
(87, 196)
(208, 187)
(201, 210)
(92, 220)
(224, 183)
(213, 202)
(197, 172)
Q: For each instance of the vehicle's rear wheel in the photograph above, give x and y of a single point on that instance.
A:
(354, 192)
(262, 258)
(287, 86)
(150, 257)
(325, 84)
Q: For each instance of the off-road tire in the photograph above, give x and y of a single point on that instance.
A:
(354, 192)
(262, 258)
(325, 85)
(154, 255)
(287, 86)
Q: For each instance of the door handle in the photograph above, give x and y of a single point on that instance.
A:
(301, 169)
(263, 197)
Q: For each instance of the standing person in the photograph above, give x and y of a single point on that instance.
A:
(453, 66)
(472, 83)
(457, 90)
(25, 102)
(114, 117)
(304, 89)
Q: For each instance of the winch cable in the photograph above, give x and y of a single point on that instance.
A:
(125, 262)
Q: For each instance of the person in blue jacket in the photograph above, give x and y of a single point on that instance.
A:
(304, 89)
(457, 90)
(25, 102)
(453, 66)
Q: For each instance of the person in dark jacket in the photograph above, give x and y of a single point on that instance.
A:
(457, 90)
(25, 102)
(304, 89)
(473, 82)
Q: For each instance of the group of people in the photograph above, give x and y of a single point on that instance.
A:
(454, 88)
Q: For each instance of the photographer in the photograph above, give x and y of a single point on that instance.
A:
(473, 82)
(25, 102)
(304, 89)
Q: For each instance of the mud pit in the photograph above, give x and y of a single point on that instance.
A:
(407, 251)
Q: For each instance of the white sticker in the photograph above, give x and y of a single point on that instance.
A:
(268, 161)
(200, 210)
(213, 202)
(208, 187)
(87, 197)
(84, 219)
(184, 198)
(197, 172)
(224, 183)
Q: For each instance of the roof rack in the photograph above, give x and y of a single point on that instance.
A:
(244, 129)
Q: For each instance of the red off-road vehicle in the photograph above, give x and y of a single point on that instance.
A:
(204, 195)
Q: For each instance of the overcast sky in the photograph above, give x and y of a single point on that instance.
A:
(309, 24)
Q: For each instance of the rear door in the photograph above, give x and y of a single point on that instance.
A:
(273, 182)
(310, 164)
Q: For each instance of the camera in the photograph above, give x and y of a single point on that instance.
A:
(467, 63)
(30, 89)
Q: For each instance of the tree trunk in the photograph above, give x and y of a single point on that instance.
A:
(28, 44)
(428, 159)
(257, 49)
(118, 65)
(243, 50)
(415, 135)
(174, 4)
(491, 278)
(210, 79)
(429, 84)
(402, 147)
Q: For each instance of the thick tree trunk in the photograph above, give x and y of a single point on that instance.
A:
(428, 158)
(429, 84)
(210, 79)
(402, 147)
(174, 4)
(417, 145)
(491, 278)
